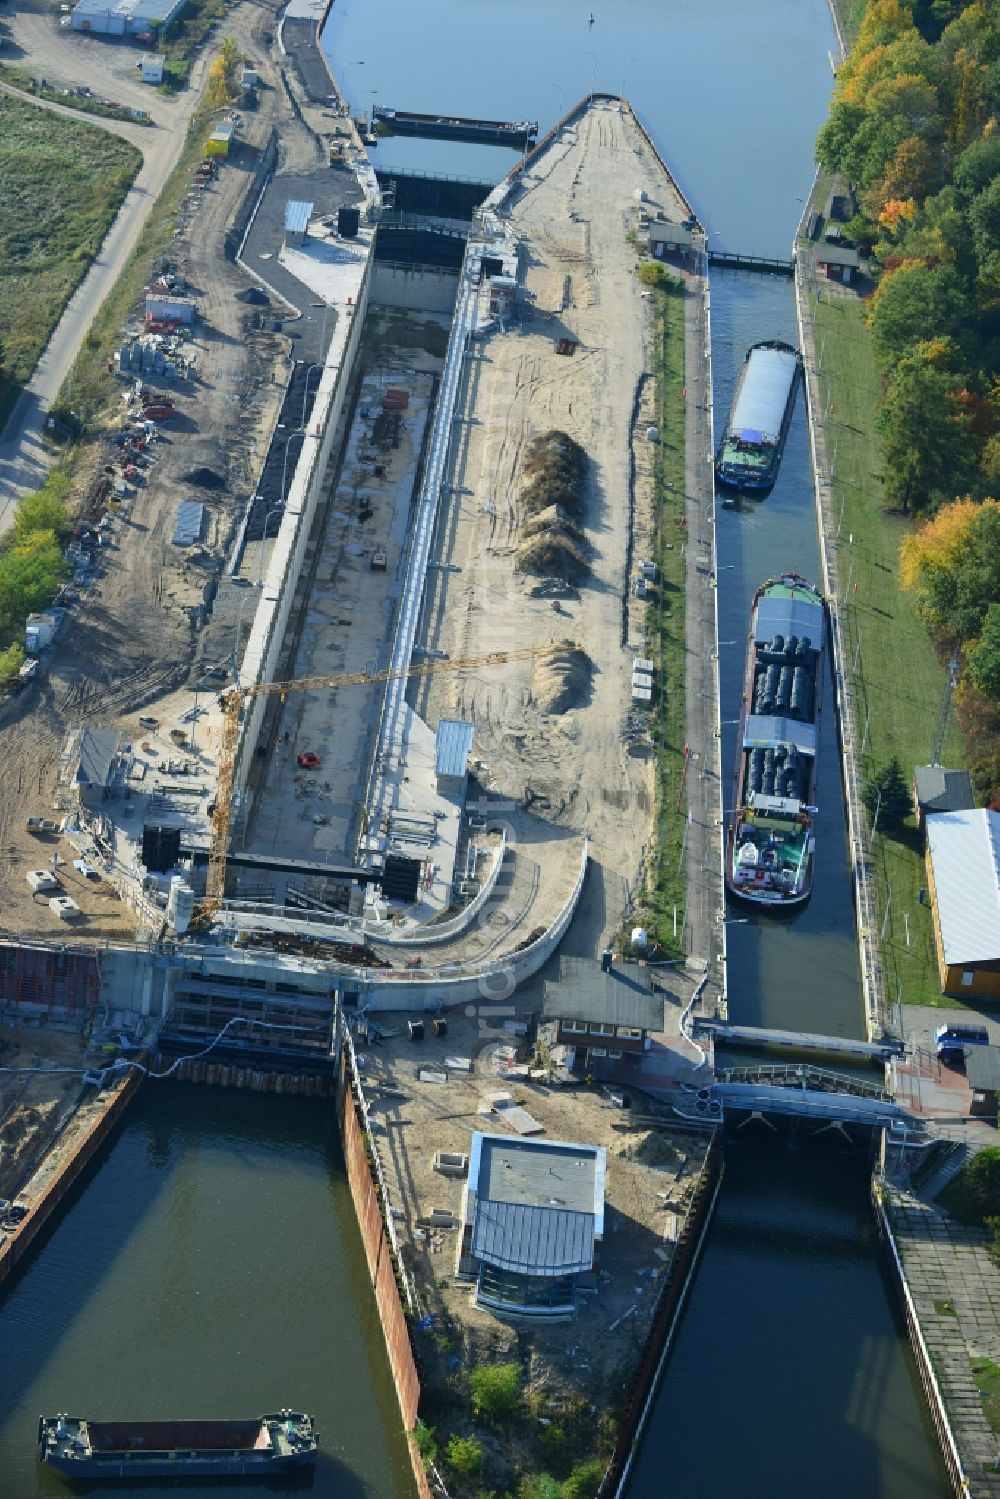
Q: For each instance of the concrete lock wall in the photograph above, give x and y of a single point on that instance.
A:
(414, 288)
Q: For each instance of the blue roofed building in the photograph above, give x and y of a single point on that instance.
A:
(532, 1223)
(452, 743)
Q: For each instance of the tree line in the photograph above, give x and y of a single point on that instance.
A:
(32, 565)
(915, 128)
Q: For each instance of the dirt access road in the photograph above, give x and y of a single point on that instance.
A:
(63, 58)
(131, 640)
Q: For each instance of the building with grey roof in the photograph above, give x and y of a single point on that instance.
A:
(982, 1071)
(452, 744)
(936, 789)
(98, 751)
(602, 1014)
(125, 17)
(963, 871)
(532, 1223)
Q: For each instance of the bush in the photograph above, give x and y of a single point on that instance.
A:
(652, 273)
(584, 1481)
(45, 510)
(11, 661)
(974, 1195)
(464, 1456)
(496, 1390)
(425, 1442)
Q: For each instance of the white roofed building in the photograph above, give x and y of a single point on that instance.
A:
(963, 868)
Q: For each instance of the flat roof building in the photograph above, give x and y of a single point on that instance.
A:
(532, 1223)
(963, 870)
(124, 17)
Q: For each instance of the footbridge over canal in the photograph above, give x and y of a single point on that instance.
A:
(825, 1098)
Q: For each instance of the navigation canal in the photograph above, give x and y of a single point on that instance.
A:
(211, 1266)
(791, 1346)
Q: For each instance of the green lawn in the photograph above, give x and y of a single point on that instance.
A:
(666, 885)
(63, 183)
(899, 677)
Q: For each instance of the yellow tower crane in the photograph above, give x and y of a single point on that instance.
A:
(233, 702)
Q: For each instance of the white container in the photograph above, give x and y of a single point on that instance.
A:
(640, 939)
(42, 879)
(180, 905)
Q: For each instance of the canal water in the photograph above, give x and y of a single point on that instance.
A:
(792, 1345)
(211, 1266)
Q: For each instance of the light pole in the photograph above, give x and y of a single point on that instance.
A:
(305, 394)
(593, 76)
(625, 69)
(284, 465)
(274, 510)
(559, 92)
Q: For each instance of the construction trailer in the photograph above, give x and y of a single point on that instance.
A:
(136, 18)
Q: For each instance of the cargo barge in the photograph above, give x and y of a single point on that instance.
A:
(750, 452)
(134, 1450)
(770, 845)
(519, 134)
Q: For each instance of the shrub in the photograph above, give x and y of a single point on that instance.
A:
(464, 1456)
(974, 1195)
(584, 1481)
(425, 1442)
(652, 273)
(11, 661)
(496, 1390)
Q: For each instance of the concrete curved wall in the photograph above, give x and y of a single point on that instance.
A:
(491, 982)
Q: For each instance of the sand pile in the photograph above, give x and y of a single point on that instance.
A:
(561, 681)
(550, 542)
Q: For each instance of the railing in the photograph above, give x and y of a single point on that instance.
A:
(802, 1076)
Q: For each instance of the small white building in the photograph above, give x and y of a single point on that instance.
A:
(151, 67)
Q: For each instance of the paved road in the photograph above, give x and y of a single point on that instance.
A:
(24, 459)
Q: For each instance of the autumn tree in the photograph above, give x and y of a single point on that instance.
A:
(953, 564)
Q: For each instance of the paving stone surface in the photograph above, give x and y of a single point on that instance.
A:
(946, 1262)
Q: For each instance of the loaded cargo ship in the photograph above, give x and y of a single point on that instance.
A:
(516, 133)
(177, 1449)
(750, 452)
(771, 840)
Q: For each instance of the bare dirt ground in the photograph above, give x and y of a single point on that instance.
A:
(574, 768)
(651, 1174)
(131, 640)
(31, 1103)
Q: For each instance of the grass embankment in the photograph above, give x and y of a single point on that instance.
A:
(23, 79)
(898, 676)
(89, 389)
(850, 13)
(63, 183)
(665, 889)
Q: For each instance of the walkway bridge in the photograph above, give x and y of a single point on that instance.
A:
(754, 1036)
(732, 260)
(828, 1099)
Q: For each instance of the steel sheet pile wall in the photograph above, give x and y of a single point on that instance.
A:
(395, 1328)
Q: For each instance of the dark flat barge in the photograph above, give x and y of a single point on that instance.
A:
(771, 840)
(519, 134)
(134, 1450)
